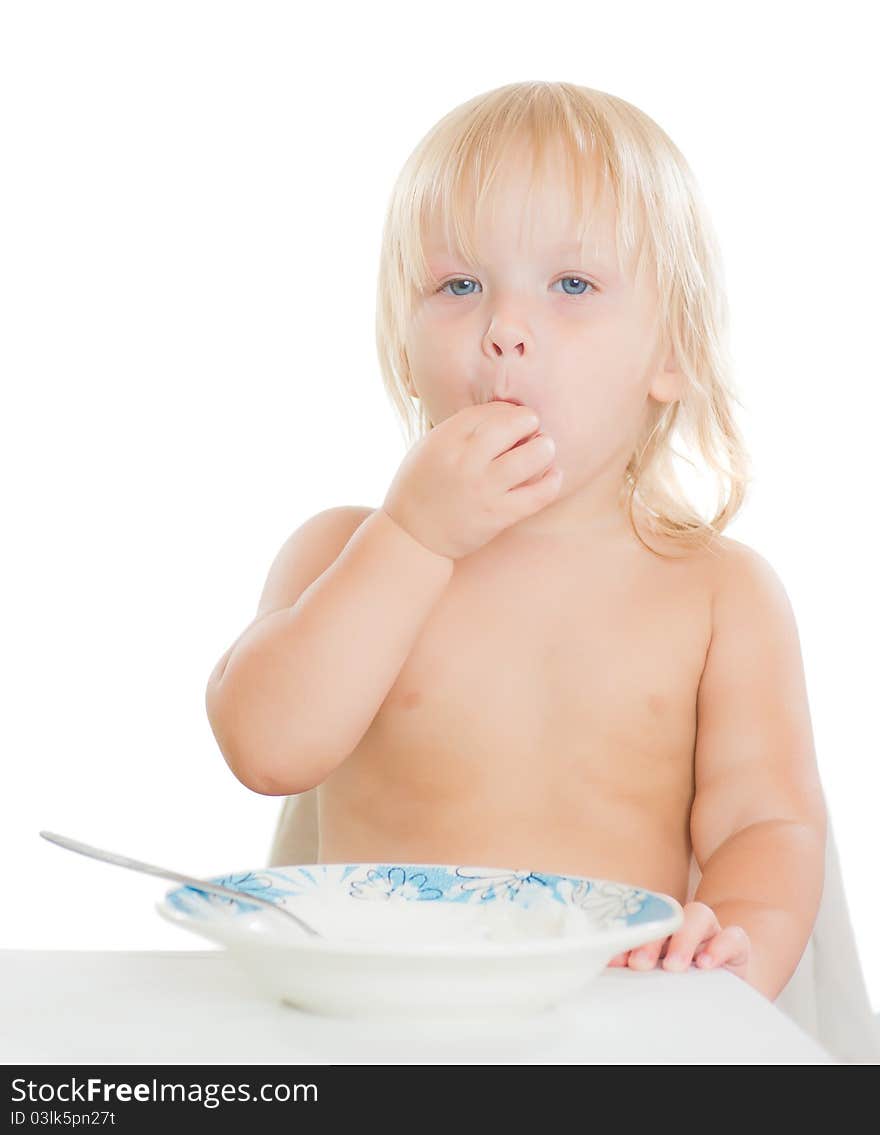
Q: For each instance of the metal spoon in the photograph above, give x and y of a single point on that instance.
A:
(189, 880)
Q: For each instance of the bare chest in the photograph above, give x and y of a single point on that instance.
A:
(545, 705)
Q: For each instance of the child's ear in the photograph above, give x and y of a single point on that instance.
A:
(408, 384)
(669, 384)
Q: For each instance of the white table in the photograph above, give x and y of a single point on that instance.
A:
(198, 1007)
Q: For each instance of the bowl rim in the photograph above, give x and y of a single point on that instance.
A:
(610, 942)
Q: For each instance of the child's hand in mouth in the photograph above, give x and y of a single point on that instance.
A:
(462, 484)
(516, 402)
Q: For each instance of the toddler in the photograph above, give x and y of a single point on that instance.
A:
(536, 653)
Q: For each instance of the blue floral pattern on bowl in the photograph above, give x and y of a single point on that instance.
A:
(607, 904)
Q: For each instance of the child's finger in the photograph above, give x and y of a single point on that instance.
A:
(700, 926)
(619, 959)
(729, 947)
(645, 957)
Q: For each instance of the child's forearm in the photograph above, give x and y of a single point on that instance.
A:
(301, 688)
(768, 878)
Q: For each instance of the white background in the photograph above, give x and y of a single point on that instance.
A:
(190, 217)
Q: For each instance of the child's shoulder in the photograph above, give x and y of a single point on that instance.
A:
(745, 584)
(740, 582)
(348, 513)
(327, 532)
(324, 530)
(307, 552)
(734, 557)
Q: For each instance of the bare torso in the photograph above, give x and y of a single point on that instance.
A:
(545, 720)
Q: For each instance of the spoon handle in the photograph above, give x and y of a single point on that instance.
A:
(164, 873)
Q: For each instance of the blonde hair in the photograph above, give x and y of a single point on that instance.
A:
(661, 222)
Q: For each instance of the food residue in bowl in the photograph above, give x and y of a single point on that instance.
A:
(344, 918)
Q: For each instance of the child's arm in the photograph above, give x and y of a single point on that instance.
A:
(296, 692)
(758, 819)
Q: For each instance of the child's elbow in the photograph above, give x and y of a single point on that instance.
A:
(262, 777)
(282, 773)
(262, 785)
(250, 769)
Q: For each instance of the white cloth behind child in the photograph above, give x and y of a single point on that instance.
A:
(826, 995)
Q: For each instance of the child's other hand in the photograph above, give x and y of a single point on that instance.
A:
(701, 938)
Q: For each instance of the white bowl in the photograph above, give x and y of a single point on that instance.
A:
(412, 938)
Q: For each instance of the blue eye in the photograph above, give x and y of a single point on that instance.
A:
(579, 280)
(462, 280)
(457, 280)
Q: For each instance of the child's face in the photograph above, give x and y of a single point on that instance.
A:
(572, 337)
